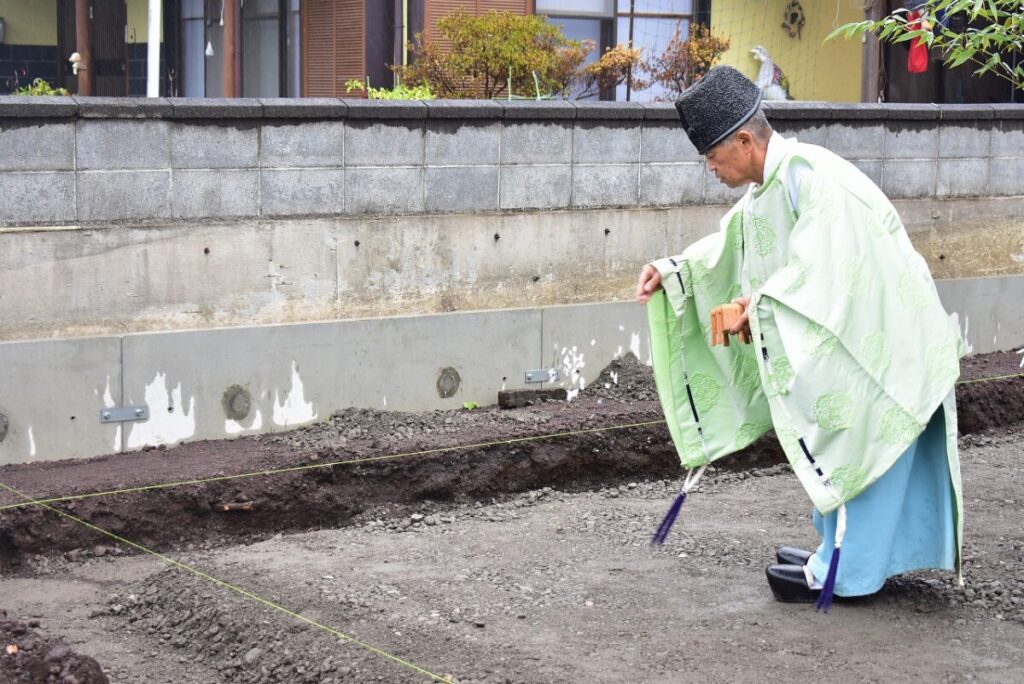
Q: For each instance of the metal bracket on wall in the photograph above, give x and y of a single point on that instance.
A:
(124, 414)
(543, 375)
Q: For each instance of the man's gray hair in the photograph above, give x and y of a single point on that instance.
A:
(758, 126)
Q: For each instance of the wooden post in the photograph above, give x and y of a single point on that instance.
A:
(871, 59)
(83, 42)
(232, 33)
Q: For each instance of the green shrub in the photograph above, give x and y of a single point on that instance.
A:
(399, 92)
(40, 87)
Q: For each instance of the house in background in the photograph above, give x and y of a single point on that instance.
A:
(28, 44)
(312, 48)
(40, 36)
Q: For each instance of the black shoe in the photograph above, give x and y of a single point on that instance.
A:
(789, 584)
(790, 555)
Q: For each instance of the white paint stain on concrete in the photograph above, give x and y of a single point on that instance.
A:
(294, 410)
(634, 344)
(573, 364)
(108, 397)
(965, 330)
(233, 427)
(108, 402)
(169, 422)
(31, 442)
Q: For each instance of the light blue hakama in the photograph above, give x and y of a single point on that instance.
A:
(903, 522)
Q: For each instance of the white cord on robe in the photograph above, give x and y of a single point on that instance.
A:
(840, 525)
(692, 478)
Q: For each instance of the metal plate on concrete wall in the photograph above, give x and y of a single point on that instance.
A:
(52, 392)
(295, 374)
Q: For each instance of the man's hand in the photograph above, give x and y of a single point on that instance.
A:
(648, 284)
(743, 323)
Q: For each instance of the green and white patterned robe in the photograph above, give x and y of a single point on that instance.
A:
(852, 352)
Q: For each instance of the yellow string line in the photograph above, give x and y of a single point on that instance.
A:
(994, 377)
(227, 585)
(332, 464)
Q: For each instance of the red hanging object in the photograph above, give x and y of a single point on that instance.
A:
(917, 60)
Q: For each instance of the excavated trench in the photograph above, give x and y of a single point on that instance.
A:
(513, 456)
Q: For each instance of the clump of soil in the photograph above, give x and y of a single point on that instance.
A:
(28, 656)
(624, 379)
(984, 404)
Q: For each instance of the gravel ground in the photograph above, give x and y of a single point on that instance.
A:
(549, 586)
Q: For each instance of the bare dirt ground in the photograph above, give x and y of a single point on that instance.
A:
(506, 585)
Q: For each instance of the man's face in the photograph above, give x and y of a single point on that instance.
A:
(732, 160)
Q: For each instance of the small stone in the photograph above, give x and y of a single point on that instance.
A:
(58, 652)
(416, 517)
(252, 656)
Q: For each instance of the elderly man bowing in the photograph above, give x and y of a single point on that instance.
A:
(853, 359)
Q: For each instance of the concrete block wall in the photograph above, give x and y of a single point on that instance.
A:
(99, 160)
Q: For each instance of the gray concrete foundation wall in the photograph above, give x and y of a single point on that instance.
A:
(52, 391)
(65, 282)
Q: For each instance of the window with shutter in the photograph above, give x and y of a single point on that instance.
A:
(333, 46)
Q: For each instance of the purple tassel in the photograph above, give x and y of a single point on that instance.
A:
(825, 600)
(669, 520)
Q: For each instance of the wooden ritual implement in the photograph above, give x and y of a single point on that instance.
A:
(722, 318)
